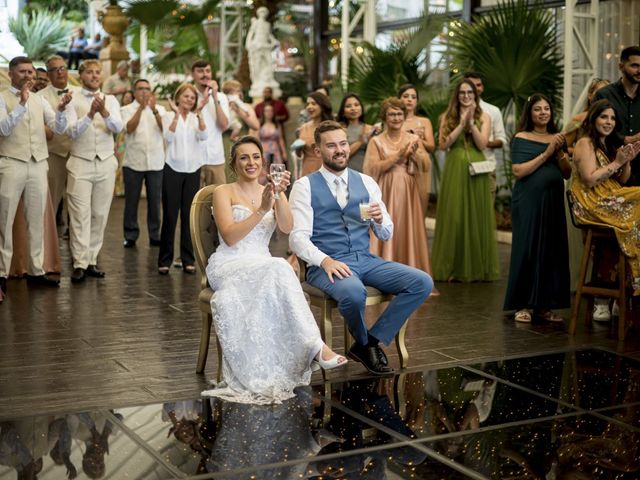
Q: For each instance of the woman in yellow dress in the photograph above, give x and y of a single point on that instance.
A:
(600, 169)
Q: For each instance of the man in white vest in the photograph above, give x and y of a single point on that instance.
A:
(143, 162)
(91, 169)
(25, 122)
(216, 118)
(59, 145)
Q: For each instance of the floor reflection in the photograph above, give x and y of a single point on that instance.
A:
(568, 415)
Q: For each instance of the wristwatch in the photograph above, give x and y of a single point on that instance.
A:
(155, 112)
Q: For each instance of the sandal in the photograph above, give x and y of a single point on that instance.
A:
(190, 269)
(551, 316)
(163, 270)
(523, 316)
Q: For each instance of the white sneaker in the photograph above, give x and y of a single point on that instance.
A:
(601, 311)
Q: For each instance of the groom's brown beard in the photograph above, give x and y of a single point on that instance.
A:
(334, 166)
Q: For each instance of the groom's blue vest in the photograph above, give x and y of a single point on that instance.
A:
(338, 232)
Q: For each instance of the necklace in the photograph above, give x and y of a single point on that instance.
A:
(391, 140)
(539, 133)
(247, 196)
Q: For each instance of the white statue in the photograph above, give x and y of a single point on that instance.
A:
(260, 43)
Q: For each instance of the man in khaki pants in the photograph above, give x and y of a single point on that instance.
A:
(216, 118)
(59, 145)
(91, 169)
(25, 122)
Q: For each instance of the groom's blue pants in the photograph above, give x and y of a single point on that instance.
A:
(410, 286)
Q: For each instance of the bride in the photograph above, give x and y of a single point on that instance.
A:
(268, 335)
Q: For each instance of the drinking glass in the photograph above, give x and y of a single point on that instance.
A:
(364, 211)
(276, 170)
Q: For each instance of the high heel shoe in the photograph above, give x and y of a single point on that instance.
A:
(334, 362)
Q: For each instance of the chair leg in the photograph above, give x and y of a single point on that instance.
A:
(347, 338)
(204, 342)
(326, 330)
(575, 310)
(622, 297)
(403, 354)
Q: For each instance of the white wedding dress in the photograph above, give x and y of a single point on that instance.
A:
(266, 330)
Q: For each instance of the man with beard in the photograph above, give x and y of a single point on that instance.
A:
(330, 235)
(215, 111)
(24, 122)
(280, 109)
(625, 97)
(42, 80)
(91, 168)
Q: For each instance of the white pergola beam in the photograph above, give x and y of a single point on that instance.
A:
(366, 14)
(587, 42)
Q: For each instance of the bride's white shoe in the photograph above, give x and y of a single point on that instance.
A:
(333, 362)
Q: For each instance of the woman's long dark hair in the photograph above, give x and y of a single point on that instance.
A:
(326, 112)
(526, 124)
(341, 118)
(611, 142)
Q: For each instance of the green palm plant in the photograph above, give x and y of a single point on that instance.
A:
(515, 48)
(377, 73)
(42, 33)
(175, 22)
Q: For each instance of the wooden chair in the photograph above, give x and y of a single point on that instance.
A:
(617, 290)
(326, 304)
(204, 236)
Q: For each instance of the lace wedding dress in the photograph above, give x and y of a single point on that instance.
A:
(266, 330)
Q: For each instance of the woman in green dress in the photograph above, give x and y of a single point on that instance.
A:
(464, 247)
(539, 269)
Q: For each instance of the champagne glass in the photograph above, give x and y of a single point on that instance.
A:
(276, 170)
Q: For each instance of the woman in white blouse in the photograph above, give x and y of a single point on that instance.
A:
(185, 134)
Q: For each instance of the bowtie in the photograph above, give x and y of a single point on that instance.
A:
(62, 92)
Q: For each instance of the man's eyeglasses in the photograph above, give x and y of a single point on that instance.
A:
(57, 69)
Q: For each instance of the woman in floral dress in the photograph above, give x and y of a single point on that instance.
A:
(601, 167)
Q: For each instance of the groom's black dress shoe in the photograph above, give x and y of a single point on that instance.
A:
(371, 358)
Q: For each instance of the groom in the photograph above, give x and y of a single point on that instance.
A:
(330, 237)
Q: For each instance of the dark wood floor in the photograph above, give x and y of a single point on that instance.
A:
(132, 338)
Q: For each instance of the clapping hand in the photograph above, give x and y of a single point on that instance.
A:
(203, 101)
(98, 105)
(626, 153)
(151, 99)
(64, 101)
(173, 105)
(267, 197)
(25, 91)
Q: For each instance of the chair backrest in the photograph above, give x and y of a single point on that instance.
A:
(204, 233)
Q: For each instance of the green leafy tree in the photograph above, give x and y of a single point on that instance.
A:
(42, 33)
(179, 25)
(515, 48)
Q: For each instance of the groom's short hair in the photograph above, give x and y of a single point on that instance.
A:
(326, 126)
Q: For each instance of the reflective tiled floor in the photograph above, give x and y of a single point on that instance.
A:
(571, 414)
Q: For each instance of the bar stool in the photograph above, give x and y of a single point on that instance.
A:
(616, 290)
